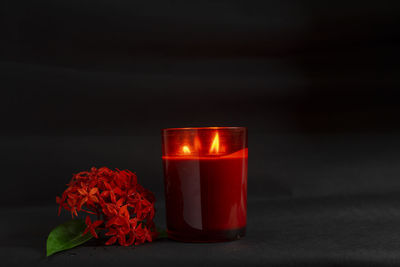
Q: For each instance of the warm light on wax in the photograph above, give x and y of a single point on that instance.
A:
(214, 148)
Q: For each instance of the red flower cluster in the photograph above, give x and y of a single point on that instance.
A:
(123, 207)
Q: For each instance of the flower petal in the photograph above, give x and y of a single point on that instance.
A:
(93, 191)
(111, 240)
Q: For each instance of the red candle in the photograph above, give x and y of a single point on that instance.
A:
(205, 172)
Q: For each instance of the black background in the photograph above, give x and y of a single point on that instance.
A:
(92, 83)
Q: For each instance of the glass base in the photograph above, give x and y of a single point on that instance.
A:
(207, 236)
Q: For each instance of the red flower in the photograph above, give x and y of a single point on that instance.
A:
(126, 208)
(91, 227)
(88, 196)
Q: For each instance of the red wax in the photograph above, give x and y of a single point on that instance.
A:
(206, 196)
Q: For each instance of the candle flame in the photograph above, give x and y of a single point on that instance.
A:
(186, 150)
(215, 144)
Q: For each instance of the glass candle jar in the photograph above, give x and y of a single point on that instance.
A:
(205, 177)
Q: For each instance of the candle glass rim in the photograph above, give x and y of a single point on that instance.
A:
(205, 128)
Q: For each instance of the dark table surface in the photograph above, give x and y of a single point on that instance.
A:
(357, 231)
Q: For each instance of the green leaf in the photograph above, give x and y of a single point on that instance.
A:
(66, 236)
